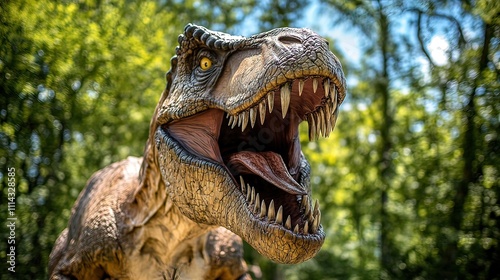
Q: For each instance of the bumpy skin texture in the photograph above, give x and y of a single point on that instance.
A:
(223, 156)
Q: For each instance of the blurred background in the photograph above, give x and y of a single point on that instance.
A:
(408, 181)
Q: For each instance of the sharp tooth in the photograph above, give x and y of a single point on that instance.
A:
(242, 182)
(304, 199)
(326, 85)
(315, 225)
(334, 119)
(296, 229)
(301, 86)
(257, 204)
(263, 209)
(313, 228)
(248, 192)
(285, 99)
(271, 214)
(244, 121)
(318, 124)
(306, 205)
(262, 111)
(315, 85)
(235, 121)
(334, 99)
(253, 116)
(323, 122)
(252, 196)
(270, 101)
(310, 217)
(312, 127)
(279, 215)
(333, 95)
(288, 223)
(328, 117)
(326, 132)
(230, 122)
(316, 207)
(306, 227)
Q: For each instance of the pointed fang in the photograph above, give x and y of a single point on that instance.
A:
(285, 99)
(253, 116)
(271, 214)
(252, 196)
(333, 95)
(262, 111)
(316, 222)
(326, 85)
(270, 101)
(244, 121)
(288, 223)
(256, 208)
(248, 192)
(235, 121)
(242, 183)
(301, 87)
(304, 199)
(279, 215)
(316, 207)
(312, 127)
(263, 209)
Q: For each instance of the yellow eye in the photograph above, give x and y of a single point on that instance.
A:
(205, 63)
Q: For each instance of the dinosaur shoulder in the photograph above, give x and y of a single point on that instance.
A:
(98, 205)
(94, 229)
(110, 184)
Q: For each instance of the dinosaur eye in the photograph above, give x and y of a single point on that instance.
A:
(205, 63)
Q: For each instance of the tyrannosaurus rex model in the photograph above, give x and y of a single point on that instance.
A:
(223, 157)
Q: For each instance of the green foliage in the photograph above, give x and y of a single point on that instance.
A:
(408, 182)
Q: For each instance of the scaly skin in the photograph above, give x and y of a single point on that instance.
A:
(223, 152)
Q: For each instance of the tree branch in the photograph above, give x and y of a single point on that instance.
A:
(421, 40)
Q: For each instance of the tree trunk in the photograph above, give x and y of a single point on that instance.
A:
(384, 153)
(470, 170)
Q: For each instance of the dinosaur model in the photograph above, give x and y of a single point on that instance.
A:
(223, 161)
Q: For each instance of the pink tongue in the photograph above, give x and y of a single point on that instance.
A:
(267, 165)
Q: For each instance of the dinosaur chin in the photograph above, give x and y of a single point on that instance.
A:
(254, 160)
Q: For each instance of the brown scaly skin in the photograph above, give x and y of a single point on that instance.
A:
(223, 152)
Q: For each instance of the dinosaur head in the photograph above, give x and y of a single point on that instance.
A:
(227, 133)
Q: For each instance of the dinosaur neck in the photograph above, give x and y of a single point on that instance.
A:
(152, 213)
(150, 193)
(155, 225)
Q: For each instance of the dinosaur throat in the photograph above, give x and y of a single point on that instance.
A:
(260, 148)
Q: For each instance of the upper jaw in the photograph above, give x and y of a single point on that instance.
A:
(243, 77)
(318, 106)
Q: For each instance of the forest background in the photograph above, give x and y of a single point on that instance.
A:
(409, 180)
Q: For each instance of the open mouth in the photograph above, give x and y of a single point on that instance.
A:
(260, 148)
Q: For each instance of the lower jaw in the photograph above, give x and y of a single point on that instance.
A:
(208, 182)
(279, 245)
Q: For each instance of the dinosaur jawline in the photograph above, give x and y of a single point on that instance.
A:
(263, 155)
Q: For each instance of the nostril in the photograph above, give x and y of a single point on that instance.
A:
(289, 40)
